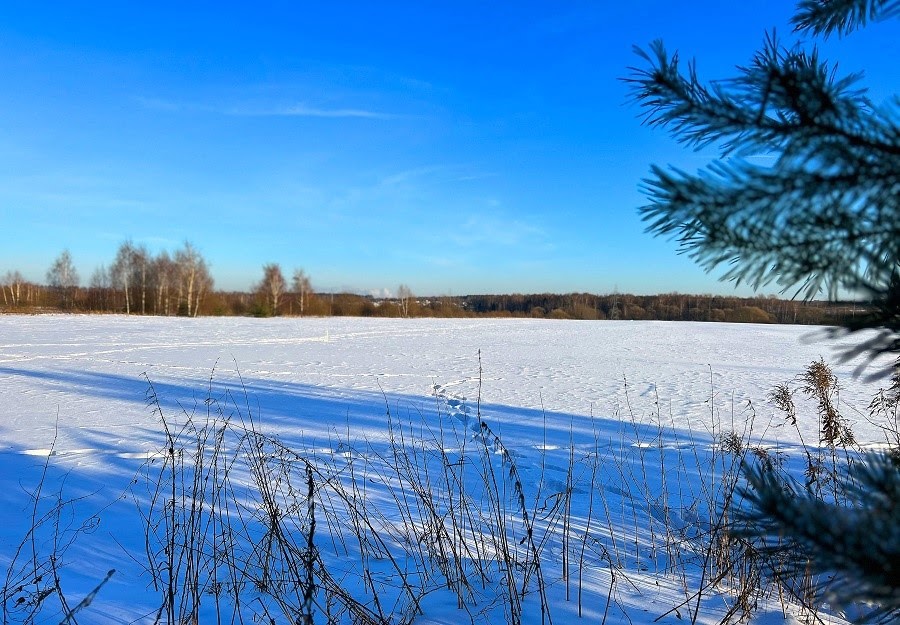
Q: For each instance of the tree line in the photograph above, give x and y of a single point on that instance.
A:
(180, 283)
(136, 282)
(664, 307)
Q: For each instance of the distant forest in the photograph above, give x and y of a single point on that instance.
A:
(180, 283)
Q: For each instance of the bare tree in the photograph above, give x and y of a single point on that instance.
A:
(302, 288)
(122, 271)
(404, 295)
(164, 274)
(272, 286)
(194, 279)
(12, 284)
(99, 286)
(204, 285)
(63, 277)
(140, 266)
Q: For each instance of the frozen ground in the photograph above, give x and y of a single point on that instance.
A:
(571, 405)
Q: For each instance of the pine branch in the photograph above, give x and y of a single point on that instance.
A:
(821, 215)
(784, 100)
(857, 544)
(826, 17)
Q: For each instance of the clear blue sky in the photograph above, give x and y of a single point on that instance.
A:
(456, 147)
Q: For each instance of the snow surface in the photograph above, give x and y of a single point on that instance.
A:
(551, 391)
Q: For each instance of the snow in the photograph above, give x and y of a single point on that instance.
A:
(605, 407)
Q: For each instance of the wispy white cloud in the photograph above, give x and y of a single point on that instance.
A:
(407, 175)
(481, 230)
(448, 173)
(158, 104)
(302, 110)
(481, 176)
(254, 110)
(442, 261)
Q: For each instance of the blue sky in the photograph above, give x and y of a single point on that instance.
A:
(456, 147)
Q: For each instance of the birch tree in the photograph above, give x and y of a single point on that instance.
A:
(404, 295)
(12, 285)
(99, 286)
(63, 277)
(272, 286)
(164, 272)
(301, 287)
(122, 270)
(194, 279)
(140, 267)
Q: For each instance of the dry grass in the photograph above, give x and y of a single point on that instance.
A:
(264, 531)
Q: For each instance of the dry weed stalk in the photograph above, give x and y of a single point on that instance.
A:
(242, 526)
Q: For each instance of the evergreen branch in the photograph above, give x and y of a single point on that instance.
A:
(858, 543)
(783, 224)
(826, 17)
(823, 217)
(784, 97)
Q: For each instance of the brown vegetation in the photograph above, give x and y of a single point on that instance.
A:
(136, 282)
(20, 296)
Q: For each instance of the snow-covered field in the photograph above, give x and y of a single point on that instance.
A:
(571, 409)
